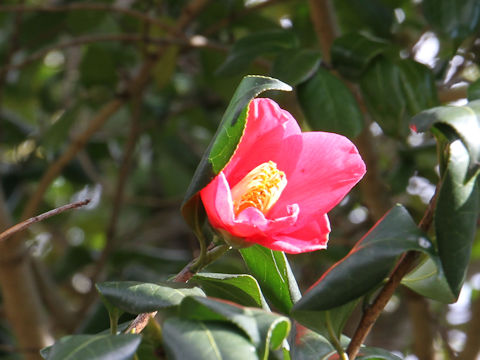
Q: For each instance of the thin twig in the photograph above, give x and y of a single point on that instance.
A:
(89, 7)
(26, 223)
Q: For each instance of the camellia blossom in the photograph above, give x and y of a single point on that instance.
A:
(280, 183)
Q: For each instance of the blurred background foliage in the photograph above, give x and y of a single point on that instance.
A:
(117, 100)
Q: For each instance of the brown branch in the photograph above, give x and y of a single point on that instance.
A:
(324, 24)
(26, 223)
(403, 267)
(87, 7)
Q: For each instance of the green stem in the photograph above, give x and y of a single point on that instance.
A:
(334, 339)
(114, 316)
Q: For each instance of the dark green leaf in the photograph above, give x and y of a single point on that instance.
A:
(296, 66)
(455, 18)
(368, 263)
(93, 347)
(226, 139)
(272, 271)
(329, 105)
(190, 339)
(266, 330)
(456, 215)
(473, 91)
(395, 91)
(373, 16)
(136, 298)
(245, 50)
(328, 323)
(242, 289)
(353, 52)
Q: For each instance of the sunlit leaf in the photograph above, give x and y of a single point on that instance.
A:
(242, 289)
(272, 271)
(226, 139)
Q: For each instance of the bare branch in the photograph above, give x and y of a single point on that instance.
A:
(26, 223)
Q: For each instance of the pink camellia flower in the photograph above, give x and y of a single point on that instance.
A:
(280, 183)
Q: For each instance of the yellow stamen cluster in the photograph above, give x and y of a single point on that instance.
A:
(260, 188)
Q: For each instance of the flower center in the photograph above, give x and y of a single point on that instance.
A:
(260, 188)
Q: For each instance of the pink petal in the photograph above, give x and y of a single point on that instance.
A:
(268, 130)
(251, 222)
(313, 236)
(327, 168)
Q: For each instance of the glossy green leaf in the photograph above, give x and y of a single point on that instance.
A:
(190, 339)
(93, 347)
(455, 18)
(463, 120)
(136, 298)
(272, 271)
(226, 139)
(369, 262)
(266, 330)
(242, 289)
(245, 50)
(353, 52)
(456, 216)
(428, 279)
(329, 105)
(296, 66)
(395, 91)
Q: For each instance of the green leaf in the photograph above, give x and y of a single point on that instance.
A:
(373, 16)
(456, 215)
(309, 345)
(328, 323)
(455, 18)
(369, 262)
(329, 105)
(296, 66)
(245, 50)
(226, 139)
(428, 279)
(136, 298)
(190, 339)
(462, 120)
(93, 347)
(272, 271)
(242, 289)
(266, 330)
(353, 52)
(395, 91)
(473, 91)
